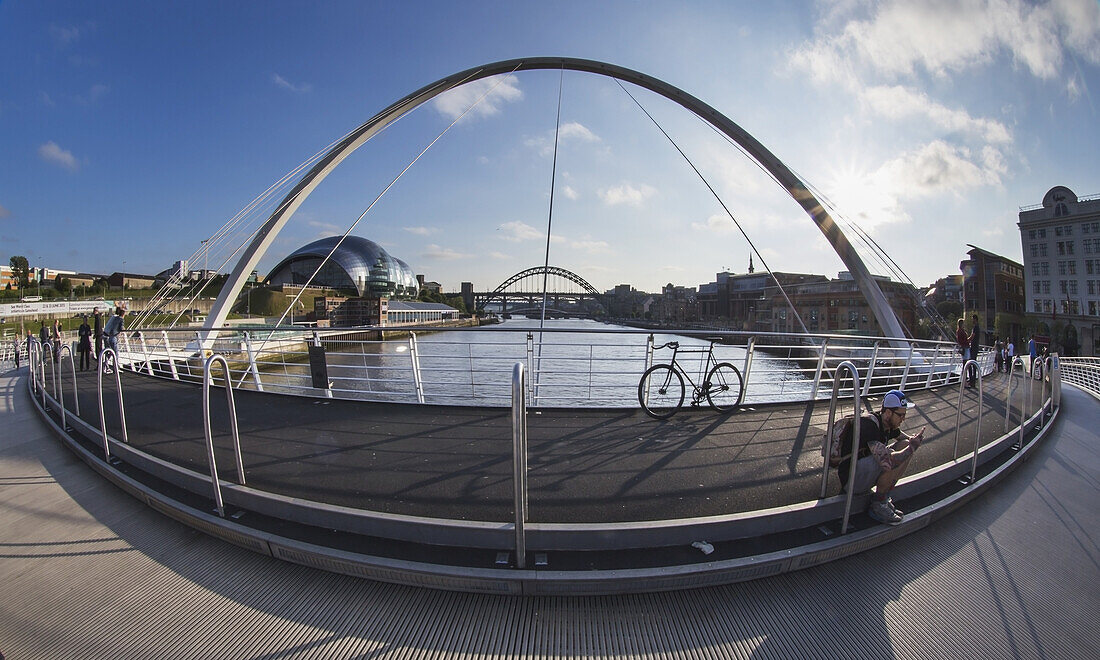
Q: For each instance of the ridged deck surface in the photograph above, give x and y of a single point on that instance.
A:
(88, 572)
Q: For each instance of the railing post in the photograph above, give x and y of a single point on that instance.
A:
(908, 364)
(168, 353)
(932, 368)
(977, 431)
(750, 349)
(145, 352)
(871, 370)
(857, 413)
(418, 383)
(108, 351)
(822, 349)
(252, 362)
(959, 411)
(210, 436)
(530, 362)
(519, 460)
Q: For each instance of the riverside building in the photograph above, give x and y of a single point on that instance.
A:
(1061, 246)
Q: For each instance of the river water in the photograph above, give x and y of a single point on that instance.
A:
(571, 363)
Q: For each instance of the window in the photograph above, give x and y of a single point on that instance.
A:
(1042, 249)
(1062, 286)
(1068, 229)
(1061, 248)
(1069, 248)
(1034, 268)
(1062, 267)
(1057, 230)
(1031, 234)
(1044, 268)
(1072, 287)
(1092, 308)
(1092, 287)
(1042, 233)
(1072, 267)
(1046, 286)
(1037, 305)
(1037, 288)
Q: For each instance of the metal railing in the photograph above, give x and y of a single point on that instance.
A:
(596, 367)
(827, 450)
(844, 380)
(215, 481)
(1083, 373)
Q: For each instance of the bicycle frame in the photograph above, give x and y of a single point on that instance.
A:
(698, 392)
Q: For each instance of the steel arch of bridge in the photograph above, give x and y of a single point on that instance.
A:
(502, 292)
(794, 186)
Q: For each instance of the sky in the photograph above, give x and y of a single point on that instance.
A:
(132, 131)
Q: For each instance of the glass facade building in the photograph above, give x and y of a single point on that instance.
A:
(357, 265)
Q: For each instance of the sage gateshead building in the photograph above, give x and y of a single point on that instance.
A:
(358, 266)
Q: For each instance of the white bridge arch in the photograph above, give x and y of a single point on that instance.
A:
(793, 185)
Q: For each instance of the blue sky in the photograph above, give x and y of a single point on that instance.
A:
(131, 131)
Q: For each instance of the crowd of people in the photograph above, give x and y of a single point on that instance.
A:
(1004, 350)
(100, 333)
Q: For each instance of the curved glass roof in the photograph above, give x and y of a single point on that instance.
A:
(358, 263)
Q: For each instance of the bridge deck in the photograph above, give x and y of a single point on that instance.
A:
(455, 462)
(90, 572)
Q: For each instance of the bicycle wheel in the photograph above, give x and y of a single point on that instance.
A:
(724, 387)
(661, 391)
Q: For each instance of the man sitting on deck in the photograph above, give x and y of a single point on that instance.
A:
(881, 464)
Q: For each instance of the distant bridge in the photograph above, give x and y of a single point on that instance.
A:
(566, 292)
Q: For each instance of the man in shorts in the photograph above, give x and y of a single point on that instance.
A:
(884, 453)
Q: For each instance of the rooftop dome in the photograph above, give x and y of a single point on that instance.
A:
(357, 264)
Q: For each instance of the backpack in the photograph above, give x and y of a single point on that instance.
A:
(838, 439)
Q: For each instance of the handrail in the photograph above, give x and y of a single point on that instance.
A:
(978, 430)
(61, 383)
(1014, 385)
(959, 407)
(855, 437)
(519, 459)
(117, 371)
(215, 482)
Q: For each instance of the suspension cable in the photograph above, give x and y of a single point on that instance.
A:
(335, 247)
(763, 262)
(550, 213)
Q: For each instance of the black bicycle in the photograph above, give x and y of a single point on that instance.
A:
(661, 390)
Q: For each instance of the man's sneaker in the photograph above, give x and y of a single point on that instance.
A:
(882, 512)
(890, 501)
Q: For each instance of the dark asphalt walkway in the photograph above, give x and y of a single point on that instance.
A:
(594, 465)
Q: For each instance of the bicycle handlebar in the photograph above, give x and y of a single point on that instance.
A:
(671, 344)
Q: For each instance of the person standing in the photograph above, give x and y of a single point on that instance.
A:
(879, 463)
(998, 354)
(55, 337)
(1032, 353)
(1010, 355)
(112, 330)
(85, 345)
(97, 331)
(975, 343)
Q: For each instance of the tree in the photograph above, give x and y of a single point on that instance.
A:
(21, 270)
(950, 310)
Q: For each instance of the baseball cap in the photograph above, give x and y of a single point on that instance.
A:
(896, 399)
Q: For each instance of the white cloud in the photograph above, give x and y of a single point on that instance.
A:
(627, 194)
(576, 131)
(289, 86)
(443, 254)
(569, 192)
(940, 167)
(591, 246)
(941, 36)
(897, 102)
(715, 224)
(501, 256)
(421, 231)
(517, 231)
(326, 226)
(64, 35)
(496, 91)
(52, 153)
